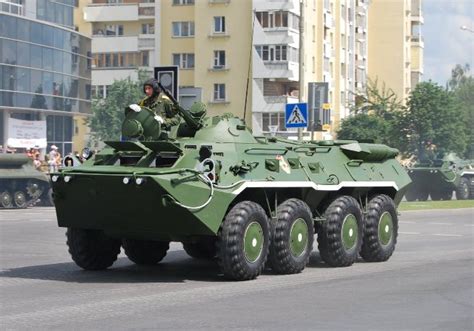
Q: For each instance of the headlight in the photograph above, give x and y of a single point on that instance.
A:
(67, 179)
(126, 180)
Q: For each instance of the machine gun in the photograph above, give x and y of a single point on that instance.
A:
(192, 120)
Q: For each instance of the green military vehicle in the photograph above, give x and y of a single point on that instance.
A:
(439, 178)
(244, 201)
(21, 185)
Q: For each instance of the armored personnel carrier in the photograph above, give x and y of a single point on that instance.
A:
(225, 194)
(439, 178)
(21, 185)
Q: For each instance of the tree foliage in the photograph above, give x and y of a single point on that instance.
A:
(432, 118)
(108, 113)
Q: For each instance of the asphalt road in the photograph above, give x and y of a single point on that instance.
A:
(428, 284)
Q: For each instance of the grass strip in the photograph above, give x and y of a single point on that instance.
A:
(422, 205)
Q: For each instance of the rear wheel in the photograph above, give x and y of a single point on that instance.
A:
(243, 241)
(441, 194)
(423, 195)
(462, 191)
(92, 249)
(204, 249)
(411, 195)
(6, 199)
(292, 237)
(145, 252)
(340, 235)
(19, 197)
(380, 229)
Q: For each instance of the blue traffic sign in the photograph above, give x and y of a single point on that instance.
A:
(296, 115)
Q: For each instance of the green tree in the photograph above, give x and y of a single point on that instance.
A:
(365, 127)
(108, 113)
(432, 118)
(373, 116)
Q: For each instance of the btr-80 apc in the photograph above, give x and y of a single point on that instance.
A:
(228, 195)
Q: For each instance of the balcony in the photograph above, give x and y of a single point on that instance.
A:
(111, 12)
(114, 44)
(10, 7)
(281, 99)
(146, 41)
(417, 41)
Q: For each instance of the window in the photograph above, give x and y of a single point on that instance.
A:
(219, 24)
(183, 29)
(219, 59)
(145, 58)
(273, 52)
(183, 2)
(148, 28)
(184, 60)
(273, 19)
(114, 30)
(219, 92)
(273, 119)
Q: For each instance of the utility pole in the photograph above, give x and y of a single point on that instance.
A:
(301, 60)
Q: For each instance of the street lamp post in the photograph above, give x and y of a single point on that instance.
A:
(465, 28)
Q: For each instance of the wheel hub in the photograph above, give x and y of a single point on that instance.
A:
(385, 229)
(298, 237)
(349, 232)
(253, 242)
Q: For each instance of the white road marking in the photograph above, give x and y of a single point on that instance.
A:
(447, 235)
(406, 222)
(433, 223)
(409, 232)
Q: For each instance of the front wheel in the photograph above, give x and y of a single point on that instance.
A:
(204, 249)
(380, 230)
(243, 241)
(340, 235)
(19, 197)
(92, 249)
(6, 199)
(292, 237)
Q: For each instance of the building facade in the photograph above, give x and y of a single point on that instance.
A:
(45, 66)
(395, 38)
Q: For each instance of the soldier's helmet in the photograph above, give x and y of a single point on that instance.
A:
(153, 83)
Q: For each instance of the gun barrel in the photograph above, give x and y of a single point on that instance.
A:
(186, 114)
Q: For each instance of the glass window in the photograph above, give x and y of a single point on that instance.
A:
(47, 83)
(8, 26)
(58, 128)
(22, 80)
(219, 59)
(35, 33)
(8, 78)
(219, 92)
(23, 51)
(74, 88)
(36, 56)
(48, 35)
(219, 24)
(41, 9)
(9, 52)
(66, 85)
(58, 13)
(183, 29)
(22, 100)
(23, 30)
(59, 38)
(35, 82)
(67, 63)
(58, 84)
(47, 58)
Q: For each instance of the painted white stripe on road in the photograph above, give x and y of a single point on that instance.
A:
(433, 223)
(408, 232)
(406, 222)
(447, 235)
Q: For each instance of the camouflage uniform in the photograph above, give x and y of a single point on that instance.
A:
(163, 107)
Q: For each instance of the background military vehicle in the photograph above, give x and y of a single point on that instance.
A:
(21, 185)
(228, 195)
(439, 178)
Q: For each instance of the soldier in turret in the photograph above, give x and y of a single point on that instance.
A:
(155, 100)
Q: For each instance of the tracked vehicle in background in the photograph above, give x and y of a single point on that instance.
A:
(439, 178)
(225, 194)
(21, 185)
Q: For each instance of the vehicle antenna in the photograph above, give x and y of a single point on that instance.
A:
(250, 63)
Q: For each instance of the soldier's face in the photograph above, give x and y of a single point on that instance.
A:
(148, 91)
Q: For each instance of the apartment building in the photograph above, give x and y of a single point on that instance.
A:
(123, 39)
(395, 38)
(335, 56)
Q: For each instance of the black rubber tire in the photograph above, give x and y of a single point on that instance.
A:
(281, 259)
(463, 191)
(145, 252)
(6, 199)
(47, 198)
(422, 195)
(438, 195)
(20, 199)
(471, 188)
(231, 256)
(92, 249)
(411, 195)
(373, 250)
(205, 249)
(330, 238)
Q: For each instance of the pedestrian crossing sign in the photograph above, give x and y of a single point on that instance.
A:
(296, 115)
